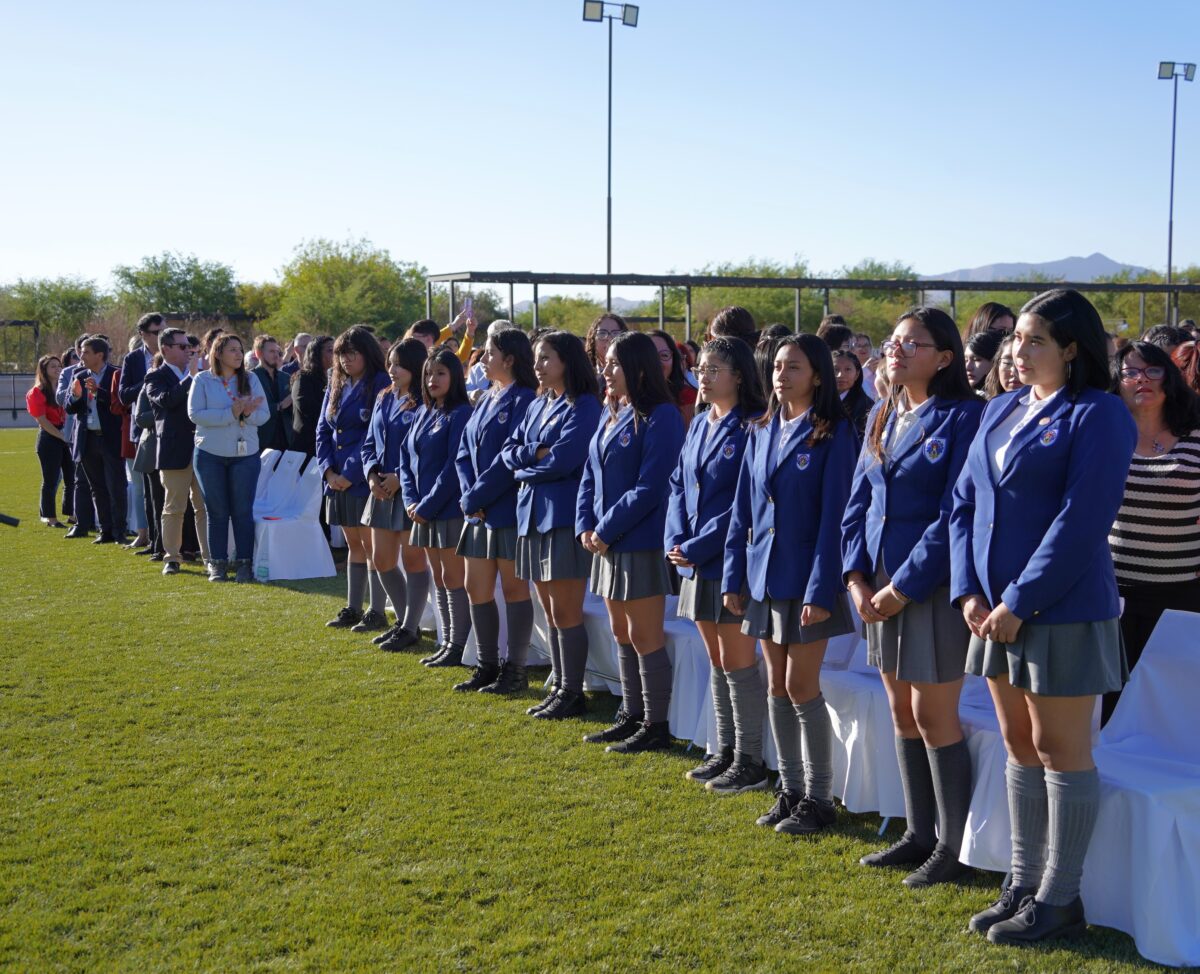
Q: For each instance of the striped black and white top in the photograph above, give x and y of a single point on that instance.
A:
(1156, 537)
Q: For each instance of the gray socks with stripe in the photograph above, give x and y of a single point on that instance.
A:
(573, 654)
(393, 584)
(785, 728)
(485, 619)
(816, 731)
(917, 782)
(748, 697)
(631, 680)
(460, 617)
(656, 684)
(1073, 799)
(356, 584)
(951, 770)
(1029, 816)
(416, 597)
(378, 597)
(722, 708)
(519, 616)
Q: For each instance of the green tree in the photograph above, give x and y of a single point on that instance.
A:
(330, 285)
(177, 283)
(60, 304)
(259, 300)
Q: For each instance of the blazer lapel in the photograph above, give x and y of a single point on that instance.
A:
(915, 435)
(717, 436)
(610, 436)
(800, 432)
(1031, 432)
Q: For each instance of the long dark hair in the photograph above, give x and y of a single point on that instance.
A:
(513, 343)
(314, 355)
(645, 386)
(356, 338)
(589, 341)
(737, 355)
(948, 383)
(986, 316)
(579, 377)
(214, 359)
(991, 382)
(734, 322)
(1181, 408)
(410, 355)
(456, 395)
(1073, 318)
(826, 411)
(675, 379)
(764, 360)
(41, 380)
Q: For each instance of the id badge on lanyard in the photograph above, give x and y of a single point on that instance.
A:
(241, 448)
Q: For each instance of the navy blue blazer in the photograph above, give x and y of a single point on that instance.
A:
(899, 510)
(549, 487)
(487, 484)
(133, 375)
(390, 425)
(797, 497)
(627, 477)
(175, 432)
(428, 477)
(339, 443)
(1036, 539)
(110, 424)
(702, 491)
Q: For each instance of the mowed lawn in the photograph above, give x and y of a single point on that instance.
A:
(204, 778)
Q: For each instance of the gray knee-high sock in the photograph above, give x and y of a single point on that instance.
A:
(460, 617)
(441, 602)
(951, 770)
(416, 597)
(785, 728)
(747, 698)
(356, 583)
(485, 620)
(816, 730)
(376, 593)
(519, 616)
(1029, 818)
(1073, 799)
(393, 584)
(722, 708)
(916, 779)
(556, 679)
(573, 654)
(631, 680)
(656, 684)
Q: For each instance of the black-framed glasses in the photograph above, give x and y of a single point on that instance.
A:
(907, 348)
(1153, 373)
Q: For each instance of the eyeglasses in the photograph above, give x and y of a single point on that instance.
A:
(177, 345)
(607, 334)
(1153, 373)
(710, 371)
(906, 349)
(664, 356)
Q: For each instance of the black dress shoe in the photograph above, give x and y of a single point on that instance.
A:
(566, 704)
(371, 621)
(809, 816)
(1034, 922)
(1004, 908)
(451, 657)
(511, 679)
(626, 725)
(649, 737)
(144, 551)
(384, 636)
(76, 532)
(712, 766)
(345, 618)
(104, 539)
(551, 693)
(942, 866)
(438, 651)
(480, 677)
(399, 639)
(905, 851)
(745, 774)
(785, 801)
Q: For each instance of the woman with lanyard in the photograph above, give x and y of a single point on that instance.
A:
(546, 454)
(783, 569)
(228, 406)
(489, 502)
(431, 491)
(1032, 572)
(359, 376)
(391, 545)
(702, 490)
(896, 564)
(619, 518)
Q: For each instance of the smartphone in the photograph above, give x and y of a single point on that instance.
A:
(469, 307)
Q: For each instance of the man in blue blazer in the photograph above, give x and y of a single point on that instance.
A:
(96, 445)
(167, 389)
(129, 386)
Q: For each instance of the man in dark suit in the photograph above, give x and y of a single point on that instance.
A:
(273, 434)
(96, 445)
(85, 509)
(133, 373)
(167, 389)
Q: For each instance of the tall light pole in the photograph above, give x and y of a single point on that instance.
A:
(1170, 71)
(595, 11)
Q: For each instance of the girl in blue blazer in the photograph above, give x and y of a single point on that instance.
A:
(431, 491)
(359, 375)
(619, 518)
(1032, 570)
(489, 502)
(896, 560)
(398, 408)
(546, 454)
(783, 570)
(702, 491)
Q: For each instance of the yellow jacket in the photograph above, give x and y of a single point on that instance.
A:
(464, 347)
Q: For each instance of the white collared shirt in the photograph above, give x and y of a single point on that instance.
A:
(906, 419)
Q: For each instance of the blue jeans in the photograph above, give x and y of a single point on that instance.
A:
(228, 485)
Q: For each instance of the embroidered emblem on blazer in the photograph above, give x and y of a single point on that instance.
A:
(934, 449)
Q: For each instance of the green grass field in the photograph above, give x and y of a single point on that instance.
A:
(201, 777)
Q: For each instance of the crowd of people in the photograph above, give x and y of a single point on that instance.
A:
(981, 503)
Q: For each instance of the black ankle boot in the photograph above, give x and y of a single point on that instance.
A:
(451, 656)
(905, 851)
(566, 703)
(537, 708)
(649, 737)
(626, 725)
(481, 676)
(511, 679)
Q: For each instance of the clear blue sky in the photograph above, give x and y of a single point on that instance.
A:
(470, 135)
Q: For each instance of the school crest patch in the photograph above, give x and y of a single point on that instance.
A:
(626, 438)
(728, 450)
(406, 417)
(502, 418)
(1048, 437)
(934, 449)
(803, 460)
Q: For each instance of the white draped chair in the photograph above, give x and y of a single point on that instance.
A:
(288, 541)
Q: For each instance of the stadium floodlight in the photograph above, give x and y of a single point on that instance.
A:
(1172, 71)
(1166, 69)
(593, 10)
(629, 15)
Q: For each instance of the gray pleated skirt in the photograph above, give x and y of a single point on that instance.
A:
(1069, 659)
(480, 541)
(925, 643)
(438, 534)
(779, 621)
(344, 509)
(552, 556)
(700, 600)
(386, 515)
(626, 575)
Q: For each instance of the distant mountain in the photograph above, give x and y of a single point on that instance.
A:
(619, 305)
(1081, 269)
